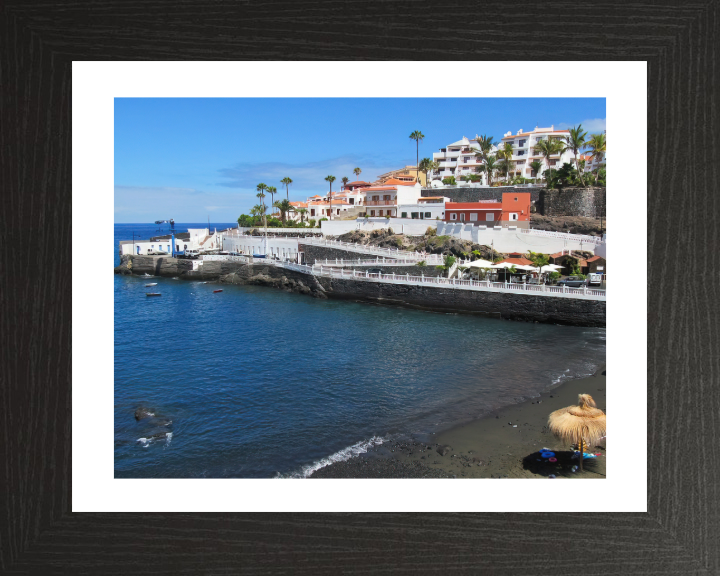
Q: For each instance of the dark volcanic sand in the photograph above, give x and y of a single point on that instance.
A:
(486, 448)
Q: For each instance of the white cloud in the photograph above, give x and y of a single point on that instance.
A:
(591, 126)
(307, 176)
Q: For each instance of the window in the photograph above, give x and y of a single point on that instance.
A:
(489, 217)
(404, 215)
(462, 216)
(372, 212)
(414, 215)
(427, 214)
(513, 216)
(473, 217)
(453, 216)
(381, 212)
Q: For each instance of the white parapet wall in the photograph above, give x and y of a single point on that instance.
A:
(519, 240)
(280, 247)
(399, 225)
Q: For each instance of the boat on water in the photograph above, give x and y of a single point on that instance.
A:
(148, 285)
(214, 291)
(152, 294)
(146, 275)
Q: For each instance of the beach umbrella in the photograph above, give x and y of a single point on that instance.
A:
(480, 264)
(583, 424)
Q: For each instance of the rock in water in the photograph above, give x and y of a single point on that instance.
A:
(142, 412)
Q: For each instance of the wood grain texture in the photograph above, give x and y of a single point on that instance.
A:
(38, 534)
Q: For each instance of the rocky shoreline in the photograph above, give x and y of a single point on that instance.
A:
(442, 298)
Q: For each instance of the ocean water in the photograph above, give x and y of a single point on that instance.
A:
(260, 383)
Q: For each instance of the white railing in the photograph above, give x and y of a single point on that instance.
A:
(378, 261)
(454, 283)
(365, 249)
(239, 232)
(563, 235)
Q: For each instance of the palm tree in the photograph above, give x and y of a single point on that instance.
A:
(539, 260)
(261, 194)
(302, 212)
(287, 181)
(597, 145)
(330, 179)
(272, 191)
(486, 145)
(575, 142)
(506, 154)
(284, 206)
(490, 167)
(357, 172)
(425, 166)
(549, 148)
(345, 180)
(536, 166)
(418, 137)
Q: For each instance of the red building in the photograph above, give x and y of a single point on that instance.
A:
(514, 209)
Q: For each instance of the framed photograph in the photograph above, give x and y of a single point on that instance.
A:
(228, 421)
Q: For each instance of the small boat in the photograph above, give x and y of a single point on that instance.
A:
(148, 285)
(215, 291)
(152, 294)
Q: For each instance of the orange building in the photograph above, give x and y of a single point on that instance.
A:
(514, 209)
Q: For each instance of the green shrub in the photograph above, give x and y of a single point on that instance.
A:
(449, 181)
(431, 231)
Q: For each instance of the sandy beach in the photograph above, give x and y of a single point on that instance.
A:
(504, 444)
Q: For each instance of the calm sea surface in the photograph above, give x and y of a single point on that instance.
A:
(261, 383)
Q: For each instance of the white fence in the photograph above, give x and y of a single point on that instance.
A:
(365, 249)
(378, 261)
(454, 283)
(563, 235)
(235, 232)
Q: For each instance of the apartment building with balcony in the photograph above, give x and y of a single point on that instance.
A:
(524, 150)
(409, 175)
(458, 160)
(384, 200)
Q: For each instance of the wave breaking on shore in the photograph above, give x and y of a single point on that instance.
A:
(340, 456)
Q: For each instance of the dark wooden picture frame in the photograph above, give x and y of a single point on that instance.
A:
(681, 530)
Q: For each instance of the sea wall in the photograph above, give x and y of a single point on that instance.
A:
(524, 307)
(411, 269)
(587, 202)
(468, 194)
(510, 306)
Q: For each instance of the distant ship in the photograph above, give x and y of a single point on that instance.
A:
(171, 222)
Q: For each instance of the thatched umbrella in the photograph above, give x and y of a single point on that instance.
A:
(583, 424)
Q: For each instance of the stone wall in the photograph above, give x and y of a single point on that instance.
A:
(467, 194)
(587, 202)
(545, 309)
(446, 299)
(412, 269)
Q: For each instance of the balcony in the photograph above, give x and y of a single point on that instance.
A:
(381, 203)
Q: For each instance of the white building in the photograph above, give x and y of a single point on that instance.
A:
(384, 200)
(200, 239)
(458, 160)
(427, 208)
(524, 151)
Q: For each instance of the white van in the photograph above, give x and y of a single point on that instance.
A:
(594, 279)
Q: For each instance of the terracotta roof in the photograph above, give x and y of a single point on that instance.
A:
(594, 258)
(431, 198)
(395, 181)
(533, 134)
(557, 255)
(522, 261)
(473, 206)
(358, 183)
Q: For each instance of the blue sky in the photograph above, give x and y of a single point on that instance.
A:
(190, 158)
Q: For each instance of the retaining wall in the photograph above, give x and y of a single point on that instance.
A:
(468, 194)
(511, 306)
(587, 202)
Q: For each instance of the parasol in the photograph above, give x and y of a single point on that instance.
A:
(583, 424)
